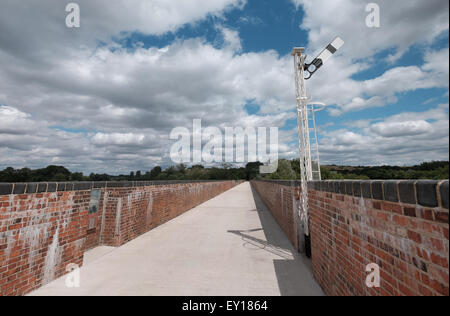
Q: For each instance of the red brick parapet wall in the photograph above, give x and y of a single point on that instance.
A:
(44, 227)
(403, 226)
(281, 198)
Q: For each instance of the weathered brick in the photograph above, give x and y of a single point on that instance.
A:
(42, 187)
(366, 189)
(409, 211)
(51, 187)
(99, 185)
(390, 191)
(426, 214)
(443, 190)
(31, 188)
(81, 186)
(440, 288)
(6, 188)
(67, 212)
(349, 187)
(19, 188)
(357, 189)
(377, 230)
(377, 190)
(407, 192)
(426, 193)
(342, 187)
(61, 187)
(441, 216)
(445, 232)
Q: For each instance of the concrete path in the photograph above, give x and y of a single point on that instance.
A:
(230, 245)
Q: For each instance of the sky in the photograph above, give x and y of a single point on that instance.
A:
(105, 97)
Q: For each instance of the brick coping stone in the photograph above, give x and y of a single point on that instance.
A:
(428, 193)
(42, 187)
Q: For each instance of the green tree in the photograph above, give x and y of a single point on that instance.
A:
(181, 168)
(284, 171)
(252, 170)
(155, 172)
(77, 176)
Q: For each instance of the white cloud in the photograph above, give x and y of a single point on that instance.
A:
(133, 99)
(414, 21)
(14, 122)
(396, 129)
(403, 139)
(127, 101)
(118, 139)
(437, 62)
(231, 39)
(437, 114)
(352, 95)
(151, 87)
(42, 30)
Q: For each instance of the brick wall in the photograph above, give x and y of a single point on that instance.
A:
(40, 233)
(400, 225)
(281, 198)
(46, 226)
(133, 211)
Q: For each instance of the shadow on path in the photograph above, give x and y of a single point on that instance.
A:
(261, 244)
(293, 270)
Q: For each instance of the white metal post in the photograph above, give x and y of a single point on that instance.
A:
(306, 170)
(316, 140)
(303, 135)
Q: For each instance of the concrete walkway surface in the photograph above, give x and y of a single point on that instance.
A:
(230, 245)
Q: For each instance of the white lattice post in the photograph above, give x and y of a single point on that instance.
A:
(301, 68)
(304, 144)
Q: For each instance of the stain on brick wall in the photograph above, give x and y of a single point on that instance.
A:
(40, 233)
(400, 225)
(44, 227)
(131, 212)
(403, 226)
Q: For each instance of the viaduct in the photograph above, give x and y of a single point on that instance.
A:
(223, 238)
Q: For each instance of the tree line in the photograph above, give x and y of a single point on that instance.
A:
(435, 170)
(287, 170)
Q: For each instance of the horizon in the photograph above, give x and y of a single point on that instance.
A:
(144, 171)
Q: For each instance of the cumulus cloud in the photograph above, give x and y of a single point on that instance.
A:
(133, 99)
(415, 21)
(118, 139)
(396, 129)
(383, 90)
(78, 98)
(404, 138)
(231, 39)
(15, 122)
(41, 26)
